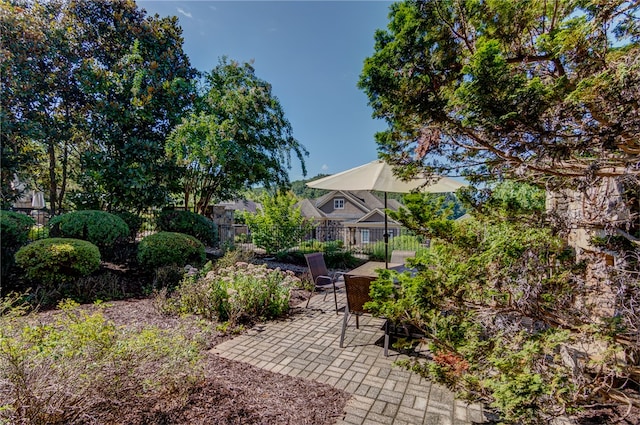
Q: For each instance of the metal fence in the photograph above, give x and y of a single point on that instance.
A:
(239, 236)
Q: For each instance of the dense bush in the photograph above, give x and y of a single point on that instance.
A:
(79, 368)
(189, 223)
(55, 261)
(170, 248)
(14, 232)
(235, 294)
(103, 229)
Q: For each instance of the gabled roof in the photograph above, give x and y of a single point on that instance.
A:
(375, 216)
(363, 199)
(309, 210)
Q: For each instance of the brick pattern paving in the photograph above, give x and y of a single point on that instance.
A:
(307, 346)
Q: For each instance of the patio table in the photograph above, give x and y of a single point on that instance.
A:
(369, 268)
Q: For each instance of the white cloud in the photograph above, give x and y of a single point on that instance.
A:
(324, 167)
(185, 13)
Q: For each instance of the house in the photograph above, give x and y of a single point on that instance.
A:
(356, 217)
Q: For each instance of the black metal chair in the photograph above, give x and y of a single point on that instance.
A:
(322, 280)
(357, 288)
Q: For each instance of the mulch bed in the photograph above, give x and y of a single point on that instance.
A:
(231, 392)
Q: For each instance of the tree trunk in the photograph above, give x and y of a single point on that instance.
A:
(53, 186)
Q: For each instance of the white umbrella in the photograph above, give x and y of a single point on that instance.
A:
(378, 175)
(37, 200)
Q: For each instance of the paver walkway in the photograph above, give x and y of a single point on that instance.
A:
(307, 346)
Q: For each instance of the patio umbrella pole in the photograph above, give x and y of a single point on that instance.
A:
(386, 235)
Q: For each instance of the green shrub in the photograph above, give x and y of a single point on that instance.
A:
(189, 223)
(170, 248)
(80, 367)
(101, 228)
(237, 294)
(58, 260)
(14, 232)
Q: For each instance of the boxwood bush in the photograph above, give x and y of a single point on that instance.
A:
(170, 248)
(55, 261)
(14, 232)
(101, 228)
(188, 223)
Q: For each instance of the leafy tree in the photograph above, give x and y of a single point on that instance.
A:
(95, 85)
(139, 85)
(279, 225)
(238, 136)
(40, 100)
(539, 91)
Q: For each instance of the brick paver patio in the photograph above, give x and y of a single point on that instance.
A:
(307, 346)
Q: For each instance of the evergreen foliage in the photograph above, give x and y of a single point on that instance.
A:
(101, 228)
(53, 262)
(14, 233)
(501, 301)
(170, 248)
(189, 223)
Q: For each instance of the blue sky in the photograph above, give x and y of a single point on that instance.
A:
(312, 53)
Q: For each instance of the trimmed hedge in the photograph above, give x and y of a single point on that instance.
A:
(189, 223)
(58, 260)
(101, 228)
(14, 232)
(170, 248)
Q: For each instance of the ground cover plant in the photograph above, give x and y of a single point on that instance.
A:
(225, 392)
(77, 368)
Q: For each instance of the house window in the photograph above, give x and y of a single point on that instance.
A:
(364, 236)
(338, 204)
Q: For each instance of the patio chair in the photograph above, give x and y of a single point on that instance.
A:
(357, 288)
(400, 257)
(322, 280)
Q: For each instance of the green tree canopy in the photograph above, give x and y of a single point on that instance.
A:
(542, 90)
(94, 84)
(237, 136)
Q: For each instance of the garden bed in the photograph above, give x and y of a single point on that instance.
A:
(230, 392)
